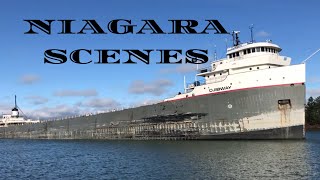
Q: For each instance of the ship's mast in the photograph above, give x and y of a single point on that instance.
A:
(184, 84)
(15, 101)
(15, 111)
(235, 37)
(251, 32)
(215, 52)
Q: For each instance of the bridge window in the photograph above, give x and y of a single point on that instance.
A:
(262, 49)
(249, 51)
(233, 55)
(245, 51)
(253, 50)
(258, 49)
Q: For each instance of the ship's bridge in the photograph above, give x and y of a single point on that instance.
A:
(243, 58)
(247, 48)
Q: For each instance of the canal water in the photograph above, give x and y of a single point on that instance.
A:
(94, 159)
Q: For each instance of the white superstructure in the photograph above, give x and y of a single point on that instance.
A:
(248, 65)
(14, 118)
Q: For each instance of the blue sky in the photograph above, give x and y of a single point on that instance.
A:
(46, 90)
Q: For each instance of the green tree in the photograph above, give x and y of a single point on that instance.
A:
(313, 111)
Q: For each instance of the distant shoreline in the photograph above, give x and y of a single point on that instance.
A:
(315, 127)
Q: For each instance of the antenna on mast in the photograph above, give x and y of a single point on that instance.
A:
(215, 52)
(184, 84)
(251, 32)
(304, 61)
(226, 41)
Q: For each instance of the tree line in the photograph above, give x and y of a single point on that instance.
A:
(313, 111)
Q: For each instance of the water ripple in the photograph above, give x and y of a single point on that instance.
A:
(84, 159)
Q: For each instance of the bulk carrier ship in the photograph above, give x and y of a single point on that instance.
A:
(253, 93)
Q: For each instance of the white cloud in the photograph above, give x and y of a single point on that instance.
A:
(53, 112)
(100, 103)
(29, 79)
(182, 69)
(37, 100)
(156, 87)
(85, 93)
(5, 108)
(145, 102)
(313, 92)
(314, 80)
(262, 33)
(81, 108)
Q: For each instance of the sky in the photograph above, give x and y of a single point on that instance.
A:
(46, 90)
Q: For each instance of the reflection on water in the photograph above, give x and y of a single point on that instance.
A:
(52, 159)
